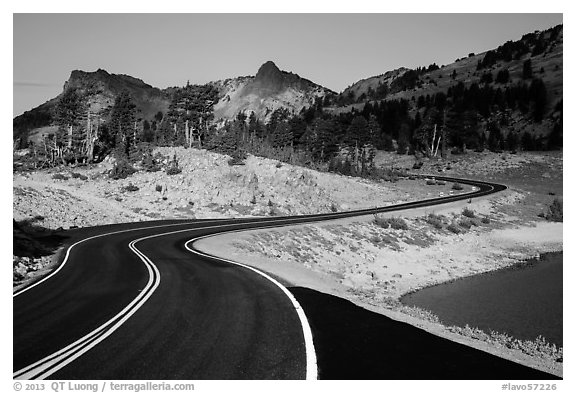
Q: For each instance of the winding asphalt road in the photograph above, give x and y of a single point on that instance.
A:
(135, 301)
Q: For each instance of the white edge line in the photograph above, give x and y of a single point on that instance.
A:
(143, 300)
(27, 288)
(170, 225)
(65, 260)
(31, 370)
(311, 362)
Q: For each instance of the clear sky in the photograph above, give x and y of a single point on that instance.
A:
(333, 50)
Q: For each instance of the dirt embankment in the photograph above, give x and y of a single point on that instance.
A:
(207, 187)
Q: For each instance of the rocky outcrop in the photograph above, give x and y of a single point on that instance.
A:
(101, 88)
(270, 89)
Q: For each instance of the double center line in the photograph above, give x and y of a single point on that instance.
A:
(49, 365)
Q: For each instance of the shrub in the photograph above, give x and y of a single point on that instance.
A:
(131, 188)
(485, 220)
(453, 228)
(555, 211)
(457, 186)
(173, 170)
(420, 313)
(159, 158)
(238, 157)
(173, 167)
(417, 165)
(398, 223)
(468, 213)
(464, 223)
(80, 176)
(539, 347)
(59, 176)
(381, 222)
(158, 188)
(393, 222)
(333, 208)
(150, 163)
(121, 170)
(435, 221)
(387, 174)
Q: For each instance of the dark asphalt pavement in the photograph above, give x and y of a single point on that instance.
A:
(205, 320)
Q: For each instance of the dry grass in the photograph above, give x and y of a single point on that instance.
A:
(539, 347)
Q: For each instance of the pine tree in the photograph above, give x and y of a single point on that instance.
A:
(357, 136)
(486, 78)
(252, 124)
(69, 112)
(358, 133)
(503, 76)
(122, 123)
(555, 141)
(278, 116)
(495, 139)
(190, 112)
(528, 143)
(282, 135)
(462, 129)
(426, 135)
(320, 140)
(147, 132)
(527, 69)
(297, 127)
(374, 130)
(538, 96)
(512, 141)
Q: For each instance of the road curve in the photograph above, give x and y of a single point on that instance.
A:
(142, 306)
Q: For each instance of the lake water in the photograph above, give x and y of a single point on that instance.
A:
(523, 302)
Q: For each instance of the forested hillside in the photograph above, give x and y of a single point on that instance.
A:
(506, 98)
(509, 98)
(96, 93)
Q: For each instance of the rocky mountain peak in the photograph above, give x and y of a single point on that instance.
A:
(269, 90)
(269, 79)
(268, 71)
